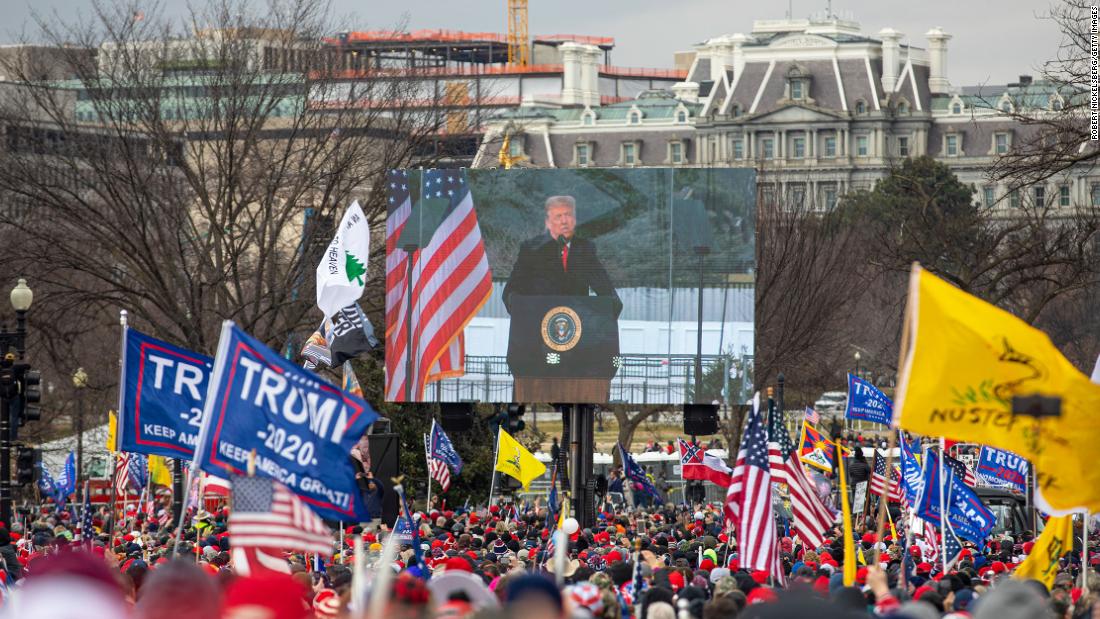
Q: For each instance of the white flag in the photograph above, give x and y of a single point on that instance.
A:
(342, 273)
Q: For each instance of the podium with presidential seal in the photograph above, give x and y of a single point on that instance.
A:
(563, 348)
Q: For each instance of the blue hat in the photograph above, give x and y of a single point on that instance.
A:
(533, 585)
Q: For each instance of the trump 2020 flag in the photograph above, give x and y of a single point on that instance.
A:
(301, 428)
(866, 402)
(1003, 468)
(342, 272)
(966, 513)
(162, 395)
(440, 448)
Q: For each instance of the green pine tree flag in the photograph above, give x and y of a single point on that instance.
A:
(355, 269)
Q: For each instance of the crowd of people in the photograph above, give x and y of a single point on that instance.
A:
(664, 562)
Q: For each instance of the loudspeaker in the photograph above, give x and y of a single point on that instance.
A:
(456, 416)
(700, 419)
(385, 458)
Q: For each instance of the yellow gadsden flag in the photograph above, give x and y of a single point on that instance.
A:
(159, 472)
(964, 360)
(1056, 540)
(112, 431)
(514, 460)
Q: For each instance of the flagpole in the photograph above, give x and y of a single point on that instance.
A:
(883, 509)
(428, 461)
(1085, 554)
(943, 513)
(183, 510)
(493, 483)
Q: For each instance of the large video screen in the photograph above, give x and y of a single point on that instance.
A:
(571, 286)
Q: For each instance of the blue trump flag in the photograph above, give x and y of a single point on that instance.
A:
(966, 513)
(161, 398)
(48, 486)
(636, 474)
(911, 479)
(301, 428)
(66, 481)
(442, 449)
(1003, 468)
(867, 403)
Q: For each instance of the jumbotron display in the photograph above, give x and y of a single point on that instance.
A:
(578, 285)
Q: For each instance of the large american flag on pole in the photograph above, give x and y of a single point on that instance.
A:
(437, 469)
(810, 513)
(451, 281)
(749, 500)
(265, 514)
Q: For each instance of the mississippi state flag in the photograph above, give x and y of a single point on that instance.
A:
(698, 464)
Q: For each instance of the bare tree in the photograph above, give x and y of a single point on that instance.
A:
(191, 171)
(1055, 135)
(807, 283)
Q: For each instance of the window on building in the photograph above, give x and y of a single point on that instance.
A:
(515, 146)
(956, 108)
(1056, 104)
(581, 154)
(1094, 194)
(634, 118)
(767, 148)
(903, 109)
(988, 196)
(828, 197)
(681, 116)
(767, 194)
(861, 145)
(798, 194)
(903, 146)
(861, 107)
(1014, 198)
(630, 153)
(676, 152)
(951, 145)
(738, 148)
(799, 147)
(796, 89)
(830, 146)
(1000, 143)
(589, 119)
(1039, 196)
(736, 111)
(1063, 195)
(1006, 106)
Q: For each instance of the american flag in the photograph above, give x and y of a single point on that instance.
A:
(255, 561)
(878, 479)
(812, 416)
(749, 500)
(810, 513)
(437, 469)
(961, 470)
(930, 539)
(451, 282)
(128, 473)
(265, 514)
(952, 546)
(87, 529)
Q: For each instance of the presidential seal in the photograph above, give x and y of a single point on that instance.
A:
(561, 328)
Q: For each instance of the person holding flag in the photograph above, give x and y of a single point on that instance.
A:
(644, 490)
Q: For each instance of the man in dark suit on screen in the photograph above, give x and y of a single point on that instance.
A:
(558, 263)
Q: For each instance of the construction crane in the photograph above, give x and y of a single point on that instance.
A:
(518, 49)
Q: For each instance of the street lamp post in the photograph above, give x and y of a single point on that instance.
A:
(21, 298)
(80, 381)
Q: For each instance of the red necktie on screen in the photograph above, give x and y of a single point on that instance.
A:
(565, 257)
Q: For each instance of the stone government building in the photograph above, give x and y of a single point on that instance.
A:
(815, 105)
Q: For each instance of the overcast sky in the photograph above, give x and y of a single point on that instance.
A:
(994, 40)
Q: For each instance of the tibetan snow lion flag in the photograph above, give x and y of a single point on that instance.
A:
(815, 449)
(964, 360)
